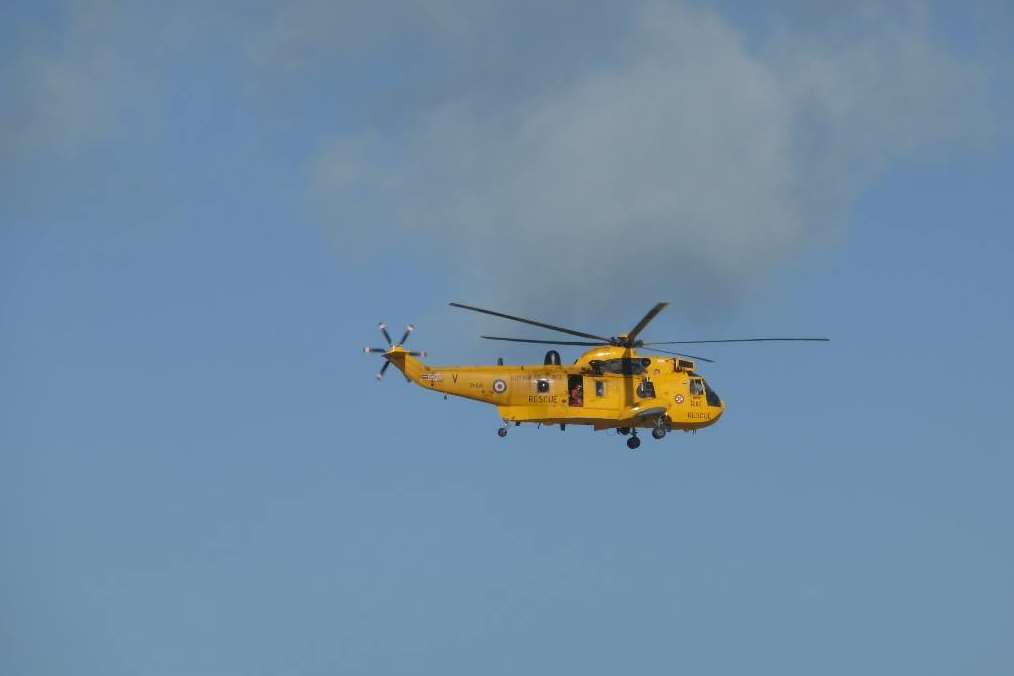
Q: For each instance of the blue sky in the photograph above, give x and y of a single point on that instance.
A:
(204, 214)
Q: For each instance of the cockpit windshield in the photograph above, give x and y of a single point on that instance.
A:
(711, 395)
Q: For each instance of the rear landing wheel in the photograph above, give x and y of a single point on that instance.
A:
(658, 432)
(633, 443)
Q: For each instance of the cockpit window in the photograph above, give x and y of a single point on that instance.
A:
(712, 396)
(696, 386)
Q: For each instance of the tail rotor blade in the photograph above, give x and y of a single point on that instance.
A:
(392, 349)
(408, 332)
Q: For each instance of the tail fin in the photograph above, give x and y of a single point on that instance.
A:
(406, 362)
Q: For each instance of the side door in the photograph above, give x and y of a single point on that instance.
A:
(602, 393)
(575, 390)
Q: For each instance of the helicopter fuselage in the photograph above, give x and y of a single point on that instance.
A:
(607, 387)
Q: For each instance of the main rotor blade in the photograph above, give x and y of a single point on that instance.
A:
(677, 354)
(740, 340)
(644, 322)
(579, 334)
(546, 342)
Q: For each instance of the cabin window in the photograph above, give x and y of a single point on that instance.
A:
(696, 387)
(600, 388)
(646, 390)
(542, 386)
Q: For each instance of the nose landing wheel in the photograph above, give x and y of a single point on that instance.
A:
(633, 442)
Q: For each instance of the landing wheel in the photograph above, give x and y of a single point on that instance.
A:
(658, 432)
(633, 443)
(623, 430)
(502, 432)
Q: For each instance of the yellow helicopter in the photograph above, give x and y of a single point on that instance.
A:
(611, 386)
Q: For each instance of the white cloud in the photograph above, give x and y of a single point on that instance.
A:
(535, 155)
(683, 166)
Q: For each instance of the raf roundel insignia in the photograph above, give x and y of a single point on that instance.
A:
(679, 398)
(499, 386)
